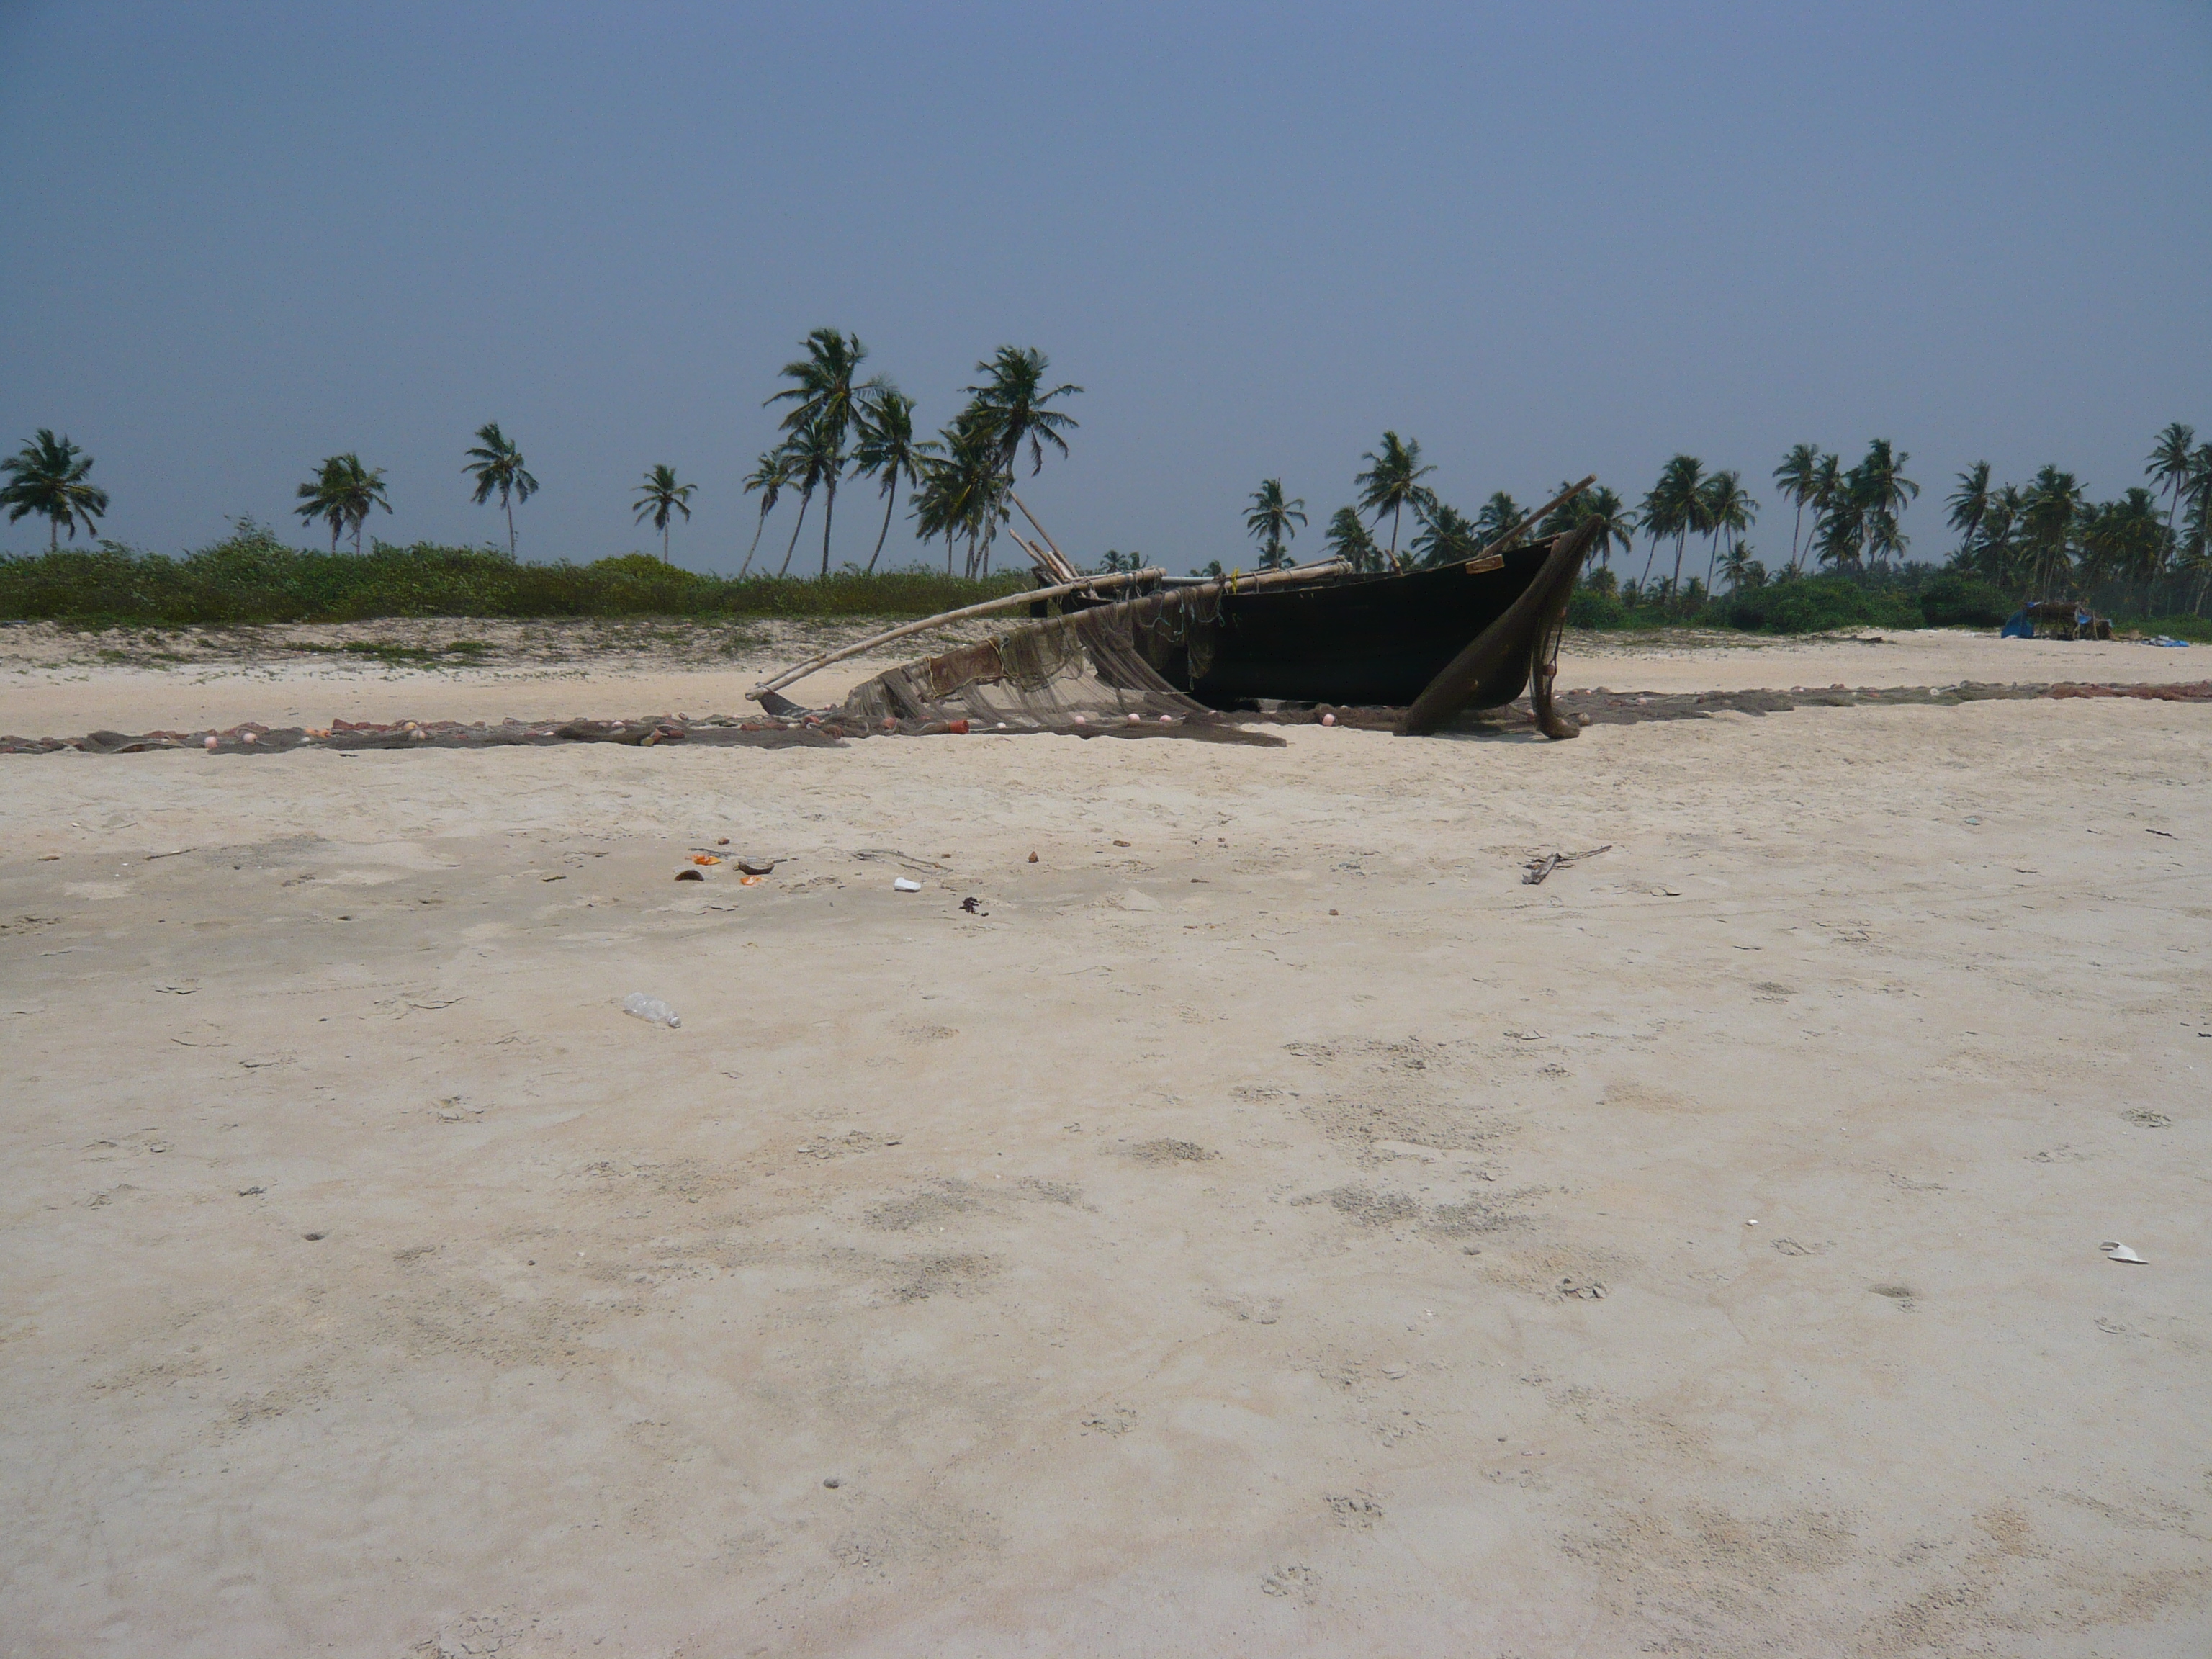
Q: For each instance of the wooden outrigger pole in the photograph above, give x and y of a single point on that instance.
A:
(1011, 601)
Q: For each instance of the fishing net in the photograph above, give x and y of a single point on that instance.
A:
(1086, 672)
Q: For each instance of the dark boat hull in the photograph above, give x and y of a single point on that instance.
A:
(1353, 640)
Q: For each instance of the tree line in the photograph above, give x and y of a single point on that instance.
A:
(838, 426)
(2045, 537)
(960, 483)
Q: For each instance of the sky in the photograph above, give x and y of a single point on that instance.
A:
(1543, 240)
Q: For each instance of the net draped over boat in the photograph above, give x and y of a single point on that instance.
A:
(1053, 675)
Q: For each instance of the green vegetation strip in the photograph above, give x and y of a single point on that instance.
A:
(253, 578)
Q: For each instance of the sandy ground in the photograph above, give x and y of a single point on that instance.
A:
(59, 682)
(1196, 1251)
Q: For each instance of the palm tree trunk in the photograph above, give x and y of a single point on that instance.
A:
(804, 502)
(1394, 512)
(54, 534)
(1795, 531)
(755, 548)
(890, 503)
(1675, 589)
(509, 506)
(664, 541)
(829, 517)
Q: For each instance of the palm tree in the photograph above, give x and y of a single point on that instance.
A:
(1727, 511)
(1348, 539)
(1675, 507)
(2050, 514)
(324, 498)
(2174, 467)
(1742, 570)
(47, 475)
(343, 492)
(660, 495)
(824, 404)
(1799, 476)
(769, 476)
(887, 449)
(1996, 553)
(817, 456)
(1010, 406)
(1269, 521)
(2169, 466)
(2124, 541)
(2193, 554)
(496, 465)
(1446, 535)
(963, 492)
(1835, 527)
(1883, 492)
(1392, 482)
(1617, 520)
(1970, 506)
(1500, 514)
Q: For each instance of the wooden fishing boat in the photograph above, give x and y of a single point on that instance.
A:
(1378, 640)
(1472, 634)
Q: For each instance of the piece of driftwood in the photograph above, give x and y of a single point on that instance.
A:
(1013, 601)
(1539, 868)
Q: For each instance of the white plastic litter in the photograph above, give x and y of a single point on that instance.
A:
(901, 884)
(2116, 1251)
(644, 1007)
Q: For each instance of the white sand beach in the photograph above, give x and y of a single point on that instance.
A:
(1263, 1225)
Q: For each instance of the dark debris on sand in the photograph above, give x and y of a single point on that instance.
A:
(1594, 708)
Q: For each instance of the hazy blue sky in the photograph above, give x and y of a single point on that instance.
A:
(1543, 240)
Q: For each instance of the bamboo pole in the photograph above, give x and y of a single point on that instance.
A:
(1011, 602)
(1044, 561)
(1235, 582)
(1065, 570)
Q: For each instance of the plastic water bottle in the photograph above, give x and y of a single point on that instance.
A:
(651, 1008)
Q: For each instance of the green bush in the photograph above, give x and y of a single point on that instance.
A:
(2198, 629)
(252, 577)
(1589, 608)
(1956, 601)
(1815, 605)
